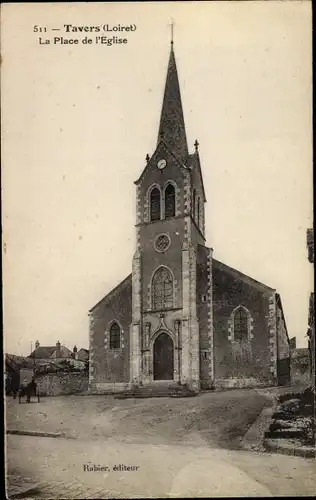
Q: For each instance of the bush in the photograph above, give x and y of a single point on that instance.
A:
(288, 396)
(62, 366)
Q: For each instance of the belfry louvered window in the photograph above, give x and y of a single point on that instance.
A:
(240, 325)
(162, 289)
(170, 202)
(193, 203)
(198, 215)
(155, 204)
(115, 336)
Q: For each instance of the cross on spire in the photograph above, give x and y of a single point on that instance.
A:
(172, 24)
(196, 144)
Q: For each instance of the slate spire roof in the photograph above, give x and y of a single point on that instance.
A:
(172, 127)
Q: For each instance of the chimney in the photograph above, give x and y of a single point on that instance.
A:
(75, 353)
(37, 344)
(58, 353)
(293, 343)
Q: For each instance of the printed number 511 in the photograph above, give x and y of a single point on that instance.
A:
(39, 29)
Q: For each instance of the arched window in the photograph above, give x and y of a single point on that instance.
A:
(240, 325)
(193, 203)
(115, 336)
(162, 289)
(155, 204)
(170, 201)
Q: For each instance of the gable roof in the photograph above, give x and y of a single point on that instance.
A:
(43, 352)
(194, 162)
(279, 302)
(238, 274)
(126, 282)
(191, 160)
(177, 160)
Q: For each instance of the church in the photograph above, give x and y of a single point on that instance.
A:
(183, 318)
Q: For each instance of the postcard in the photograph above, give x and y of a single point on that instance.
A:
(158, 249)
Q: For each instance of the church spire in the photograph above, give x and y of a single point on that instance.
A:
(172, 127)
(171, 27)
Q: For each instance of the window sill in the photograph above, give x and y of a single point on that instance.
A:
(162, 310)
(159, 220)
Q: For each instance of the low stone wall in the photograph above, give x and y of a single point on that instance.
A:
(56, 384)
(240, 383)
(300, 371)
(109, 387)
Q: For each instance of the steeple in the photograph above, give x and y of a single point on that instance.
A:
(172, 127)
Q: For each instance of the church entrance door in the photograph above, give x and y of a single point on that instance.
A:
(163, 357)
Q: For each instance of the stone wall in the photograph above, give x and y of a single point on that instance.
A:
(300, 366)
(283, 346)
(205, 315)
(239, 383)
(56, 384)
(111, 365)
(311, 337)
(171, 258)
(283, 341)
(246, 363)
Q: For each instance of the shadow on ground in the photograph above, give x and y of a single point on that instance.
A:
(213, 419)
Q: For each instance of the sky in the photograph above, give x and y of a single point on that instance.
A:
(78, 121)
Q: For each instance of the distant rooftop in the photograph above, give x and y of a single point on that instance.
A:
(43, 352)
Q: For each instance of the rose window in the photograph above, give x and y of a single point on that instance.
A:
(162, 242)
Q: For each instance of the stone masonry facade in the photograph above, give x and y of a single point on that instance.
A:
(182, 317)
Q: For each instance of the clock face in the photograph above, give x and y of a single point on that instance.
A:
(161, 164)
